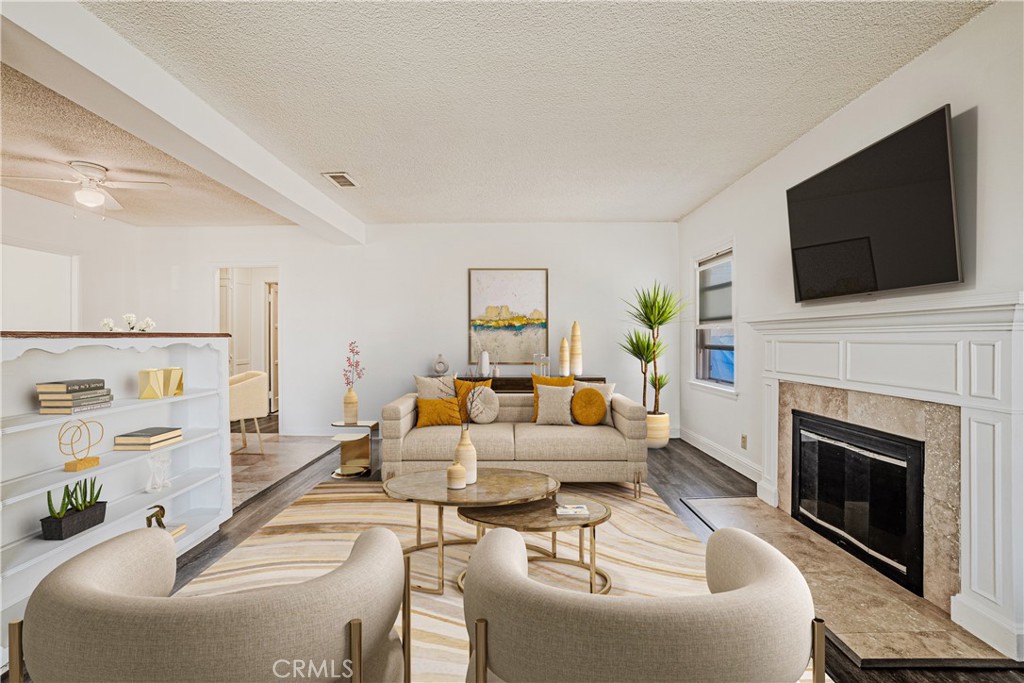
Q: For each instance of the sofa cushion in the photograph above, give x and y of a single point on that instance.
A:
(485, 405)
(554, 442)
(515, 407)
(492, 442)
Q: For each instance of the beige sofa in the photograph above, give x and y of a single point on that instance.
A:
(576, 453)
(756, 625)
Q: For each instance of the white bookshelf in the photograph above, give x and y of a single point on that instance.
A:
(31, 464)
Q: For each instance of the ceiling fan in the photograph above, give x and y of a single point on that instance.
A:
(92, 179)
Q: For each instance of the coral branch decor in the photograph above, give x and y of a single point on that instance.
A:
(352, 373)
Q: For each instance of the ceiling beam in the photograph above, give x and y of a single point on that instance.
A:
(69, 50)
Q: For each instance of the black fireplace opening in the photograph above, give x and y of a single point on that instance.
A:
(863, 490)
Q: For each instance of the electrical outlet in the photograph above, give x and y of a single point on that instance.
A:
(743, 441)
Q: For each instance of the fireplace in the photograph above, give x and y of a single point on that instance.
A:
(863, 489)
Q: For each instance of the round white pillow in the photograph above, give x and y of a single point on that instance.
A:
(483, 405)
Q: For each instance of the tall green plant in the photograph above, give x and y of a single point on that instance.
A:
(640, 345)
(653, 309)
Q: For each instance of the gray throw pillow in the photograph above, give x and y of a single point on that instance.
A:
(606, 390)
(554, 405)
(435, 387)
(483, 405)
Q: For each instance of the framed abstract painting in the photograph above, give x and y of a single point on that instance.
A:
(508, 314)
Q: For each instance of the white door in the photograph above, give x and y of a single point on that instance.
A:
(241, 318)
(226, 302)
(272, 355)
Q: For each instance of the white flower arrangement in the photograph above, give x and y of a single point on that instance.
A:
(131, 321)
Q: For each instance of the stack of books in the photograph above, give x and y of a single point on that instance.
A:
(72, 396)
(571, 511)
(148, 439)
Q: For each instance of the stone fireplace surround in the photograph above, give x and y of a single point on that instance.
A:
(937, 425)
(947, 370)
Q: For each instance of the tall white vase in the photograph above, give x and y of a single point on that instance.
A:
(576, 350)
(563, 358)
(485, 364)
(465, 455)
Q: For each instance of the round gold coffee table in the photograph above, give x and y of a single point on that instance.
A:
(539, 516)
(494, 487)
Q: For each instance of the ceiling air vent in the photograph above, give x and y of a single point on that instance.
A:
(340, 178)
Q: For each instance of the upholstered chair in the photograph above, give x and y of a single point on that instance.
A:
(755, 625)
(250, 400)
(105, 615)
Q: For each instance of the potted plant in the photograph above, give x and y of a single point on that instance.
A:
(80, 509)
(652, 309)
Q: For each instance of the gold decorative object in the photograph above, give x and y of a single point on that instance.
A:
(70, 439)
(173, 381)
(563, 358)
(576, 350)
(157, 516)
(151, 383)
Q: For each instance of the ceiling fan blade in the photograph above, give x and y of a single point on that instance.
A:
(109, 202)
(44, 180)
(134, 185)
(66, 168)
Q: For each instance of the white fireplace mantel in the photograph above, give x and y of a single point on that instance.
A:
(965, 350)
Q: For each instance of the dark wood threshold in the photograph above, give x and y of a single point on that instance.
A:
(251, 515)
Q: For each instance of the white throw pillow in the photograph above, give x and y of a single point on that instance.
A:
(606, 390)
(554, 405)
(435, 387)
(483, 405)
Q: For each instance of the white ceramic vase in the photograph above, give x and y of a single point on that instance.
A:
(485, 364)
(465, 455)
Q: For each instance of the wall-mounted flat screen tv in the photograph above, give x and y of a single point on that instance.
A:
(884, 218)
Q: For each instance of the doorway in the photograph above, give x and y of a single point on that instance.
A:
(249, 311)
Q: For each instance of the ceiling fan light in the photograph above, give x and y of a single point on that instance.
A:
(89, 197)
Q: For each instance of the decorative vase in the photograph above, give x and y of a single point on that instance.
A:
(456, 476)
(173, 381)
(657, 430)
(351, 407)
(576, 350)
(485, 364)
(151, 383)
(563, 358)
(465, 454)
(440, 365)
(159, 469)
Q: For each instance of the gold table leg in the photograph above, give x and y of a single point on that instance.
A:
(554, 544)
(593, 559)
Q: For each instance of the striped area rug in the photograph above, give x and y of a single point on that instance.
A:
(645, 548)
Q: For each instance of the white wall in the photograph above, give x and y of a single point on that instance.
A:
(108, 268)
(404, 297)
(53, 304)
(978, 70)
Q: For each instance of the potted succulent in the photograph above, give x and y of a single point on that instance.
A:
(653, 309)
(80, 509)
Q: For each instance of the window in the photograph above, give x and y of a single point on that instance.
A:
(716, 351)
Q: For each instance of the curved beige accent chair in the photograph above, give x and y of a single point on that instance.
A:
(250, 400)
(105, 615)
(756, 625)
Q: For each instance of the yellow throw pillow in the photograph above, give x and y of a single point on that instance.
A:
(551, 382)
(588, 407)
(462, 390)
(434, 412)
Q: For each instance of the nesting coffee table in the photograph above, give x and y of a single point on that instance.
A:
(539, 516)
(494, 487)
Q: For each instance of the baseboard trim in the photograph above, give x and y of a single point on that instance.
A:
(995, 629)
(769, 493)
(721, 454)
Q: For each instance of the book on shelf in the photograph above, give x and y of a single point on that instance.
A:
(176, 530)
(65, 402)
(68, 386)
(146, 446)
(149, 435)
(72, 395)
(71, 410)
(571, 511)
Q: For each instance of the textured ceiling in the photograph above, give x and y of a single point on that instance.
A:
(40, 125)
(529, 111)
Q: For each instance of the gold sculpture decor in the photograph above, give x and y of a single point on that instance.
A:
(75, 440)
